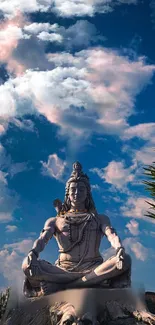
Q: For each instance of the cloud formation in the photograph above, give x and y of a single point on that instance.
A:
(11, 257)
(91, 91)
(140, 252)
(136, 207)
(79, 35)
(8, 199)
(66, 8)
(144, 155)
(18, 35)
(11, 228)
(54, 167)
(22, 247)
(17, 168)
(145, 131)
(133, 227)
(10, 34)
(115, 174)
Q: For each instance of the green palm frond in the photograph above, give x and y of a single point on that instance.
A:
(149, 171)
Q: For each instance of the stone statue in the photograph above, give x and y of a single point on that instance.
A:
(78, 230)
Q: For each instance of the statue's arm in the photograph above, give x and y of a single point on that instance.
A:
(45, 236)
(110, 232)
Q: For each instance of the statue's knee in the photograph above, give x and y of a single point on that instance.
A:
(25, 267)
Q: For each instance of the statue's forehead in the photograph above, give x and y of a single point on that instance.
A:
(77, 184)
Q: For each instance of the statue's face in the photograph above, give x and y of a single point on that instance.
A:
(77, 192)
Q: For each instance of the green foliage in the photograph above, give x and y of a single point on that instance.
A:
(150, 187)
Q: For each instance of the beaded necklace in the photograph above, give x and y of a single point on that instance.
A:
(84, 235)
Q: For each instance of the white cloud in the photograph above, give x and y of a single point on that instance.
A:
(11, 7)
(140, 252)
(53, 37)
(80, 34)
(145, 131)
(16, 36)
(18, 168)
(2, 129)
(3, 177)
(69, 8)
(45, 31)
(136, 207)
(11, 228)
(95, 187)
(11, 257)
(8, 198)
(10, 34)
(66, 8)
(54, 167)
(101, 82)
(11, 261)
(22, 247)
(36, 28)
(115, 173)
(5, 216)
(133, 227)
(145, 155)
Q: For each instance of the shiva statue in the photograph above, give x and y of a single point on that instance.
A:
(78, 230)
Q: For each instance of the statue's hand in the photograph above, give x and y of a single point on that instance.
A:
(32, 263)
(120, 252)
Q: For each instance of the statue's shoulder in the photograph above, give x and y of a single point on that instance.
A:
(104, 220)
(50, 222)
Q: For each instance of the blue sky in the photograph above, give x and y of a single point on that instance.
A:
(77, 82)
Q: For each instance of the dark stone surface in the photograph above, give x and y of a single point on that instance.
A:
(113, 307)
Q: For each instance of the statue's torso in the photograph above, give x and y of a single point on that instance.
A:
(78, 237)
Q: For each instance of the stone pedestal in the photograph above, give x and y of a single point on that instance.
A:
(96, 306)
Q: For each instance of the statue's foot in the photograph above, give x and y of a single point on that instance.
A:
(29, 291)
(48, 288)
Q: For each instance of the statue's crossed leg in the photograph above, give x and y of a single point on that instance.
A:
(51, 278)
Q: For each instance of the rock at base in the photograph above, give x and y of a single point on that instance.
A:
(81, 306)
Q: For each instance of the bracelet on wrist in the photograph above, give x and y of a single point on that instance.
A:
(34, 251)
(118, 249)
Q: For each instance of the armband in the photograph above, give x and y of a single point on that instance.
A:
(112, 230)
(118, 249)
(34, 251)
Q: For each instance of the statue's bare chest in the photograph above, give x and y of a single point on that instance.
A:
(72, 230)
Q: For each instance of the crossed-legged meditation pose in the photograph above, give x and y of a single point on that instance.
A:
(78, 230)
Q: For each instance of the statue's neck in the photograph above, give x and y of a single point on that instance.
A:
(80, 207)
